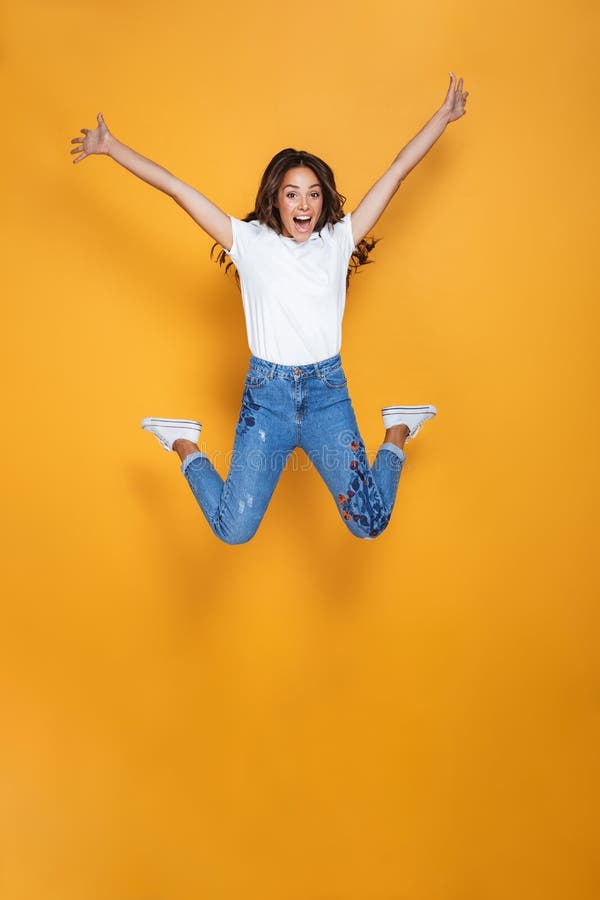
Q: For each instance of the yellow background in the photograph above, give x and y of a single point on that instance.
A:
(308, 716)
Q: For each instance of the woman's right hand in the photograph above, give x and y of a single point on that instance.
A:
(95, 141)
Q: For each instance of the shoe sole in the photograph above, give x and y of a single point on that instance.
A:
(173, 423)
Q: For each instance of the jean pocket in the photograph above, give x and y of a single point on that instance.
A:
(255, 378)
(336, 378)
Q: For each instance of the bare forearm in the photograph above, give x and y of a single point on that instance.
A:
(416, 149)
(203, 211)
(374, 202)
(144, 168)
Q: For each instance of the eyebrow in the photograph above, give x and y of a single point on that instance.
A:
(297, 186)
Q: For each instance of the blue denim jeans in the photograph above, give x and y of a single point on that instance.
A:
(284, 407)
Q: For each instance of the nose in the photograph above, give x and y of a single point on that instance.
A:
(304, 203)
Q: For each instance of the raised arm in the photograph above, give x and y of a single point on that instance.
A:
(375, 201)
(208, 216)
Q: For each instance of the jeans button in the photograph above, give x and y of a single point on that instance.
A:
(297, 371)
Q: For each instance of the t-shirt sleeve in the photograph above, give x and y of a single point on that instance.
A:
(346, 239)
(244, 234)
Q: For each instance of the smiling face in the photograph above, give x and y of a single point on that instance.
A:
(300, 201)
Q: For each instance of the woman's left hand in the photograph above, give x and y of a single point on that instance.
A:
(454, 104)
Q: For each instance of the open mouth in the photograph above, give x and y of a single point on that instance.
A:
(302, 223)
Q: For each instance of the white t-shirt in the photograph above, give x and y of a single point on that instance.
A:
(293, 293)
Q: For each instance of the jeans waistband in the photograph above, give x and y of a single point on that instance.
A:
(276, 370)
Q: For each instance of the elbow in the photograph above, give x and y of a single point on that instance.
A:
(174, 190)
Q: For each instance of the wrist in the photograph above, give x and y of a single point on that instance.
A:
(442, 116)
(111, 143)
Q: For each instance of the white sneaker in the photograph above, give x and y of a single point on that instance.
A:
(169, 430)
(411, 416)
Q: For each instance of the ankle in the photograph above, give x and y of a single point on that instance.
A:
(397, 435)
(183, 448)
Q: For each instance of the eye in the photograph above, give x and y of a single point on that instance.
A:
(290, 194)
(316, 194)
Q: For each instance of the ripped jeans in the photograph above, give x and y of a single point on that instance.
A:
(284, 407)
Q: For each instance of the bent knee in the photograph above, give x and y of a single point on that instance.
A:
(239, 534)
(370, 536)
(367, 529)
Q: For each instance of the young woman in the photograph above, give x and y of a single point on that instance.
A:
(293, 254)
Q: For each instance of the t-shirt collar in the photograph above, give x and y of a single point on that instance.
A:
(313, 237)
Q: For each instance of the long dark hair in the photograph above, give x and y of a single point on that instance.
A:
(333, 204)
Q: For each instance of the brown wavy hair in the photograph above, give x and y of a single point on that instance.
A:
(267, 213)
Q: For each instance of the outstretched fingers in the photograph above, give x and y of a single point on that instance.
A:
(455, 98)
(79, 149)
(450, 93)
